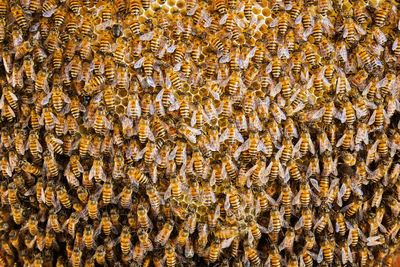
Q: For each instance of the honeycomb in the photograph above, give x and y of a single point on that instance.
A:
(199, 133)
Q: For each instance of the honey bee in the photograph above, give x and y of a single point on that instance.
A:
(125, 240)
(347, 140)
(19, 16)
(63, 196)
(144, 130)
(50, 164)
(379, 117)
(382, 14)
(143, 219)
(274, 257)
(163, 235)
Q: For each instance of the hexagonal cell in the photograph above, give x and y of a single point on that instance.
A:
(266, 12)
(180, 4)
(125, 101)
(122, 93)
(171, 3)
(120, 109)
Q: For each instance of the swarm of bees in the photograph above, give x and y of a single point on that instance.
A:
(194, 133)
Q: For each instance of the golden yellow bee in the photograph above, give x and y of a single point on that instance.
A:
(125, 240)
(163, 235)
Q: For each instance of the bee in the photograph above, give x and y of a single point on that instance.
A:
(352, 208)
(311, 56)
(119, 53)
(11, 98)
(126, 243)
(133, 108)
(106, 224)
(231, 134)
(288, 240)
(63, 196)
(198, 162)
(220, 6)
(305, 144)
(188, 132)
(286, 152)
(347, 140)
(50, 164)
(32, 224)
(144, 130)
(183, 236)
(100, 255)
(19, 16)
(17, 213)
(274, 257)
(92, 207)
(340, 224)
(164, 234)
(382, 14)
(54, 144)
(327, 250)
(382, 144)
(170, 255)
(143, 219)
(251, 253)
(296, 61)
(272, 43)
(72, 222)
(7, 112)
(137, 176)
(215, 250)
(54, 223)
(12, 194)
(360, 13)
(107, 192)
(379, 117)
(76, 257)
(283, 23)
(145, 240)
(254, 227)
(34, 145)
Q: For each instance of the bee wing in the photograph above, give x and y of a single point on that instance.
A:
(359, 112)
(373, 241)
(314, 182)
(296, 148)
(284, 244)
(395, 44)
(316, 114)
(245, 146)
(276, 90)
(298, 19)
(167, 193)
(319, 221)
(355, 188)
(324, 144)
(307, 33)
(227, 242)
(223, 19)
(341, 140)
(286, 177)
(299, 224)
(139, 63)
(46, 99)
(359, 29)
(261, 147)
(283, 51)
(330, 226)
(255, 123)
(296, 199)
(147, 36)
